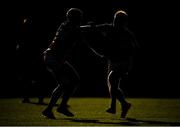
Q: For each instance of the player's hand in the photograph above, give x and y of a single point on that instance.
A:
(91, 23)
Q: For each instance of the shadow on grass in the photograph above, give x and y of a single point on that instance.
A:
(125, 122)
(82, 120)
(151, 122)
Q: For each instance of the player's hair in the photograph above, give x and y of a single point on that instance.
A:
(74, 13)
(120, 17)
(120, 13)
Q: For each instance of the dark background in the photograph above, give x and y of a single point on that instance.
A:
(155, 24)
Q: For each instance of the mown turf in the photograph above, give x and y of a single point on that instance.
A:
(91, 112)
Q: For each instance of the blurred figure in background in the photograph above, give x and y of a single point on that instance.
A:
(30, 66)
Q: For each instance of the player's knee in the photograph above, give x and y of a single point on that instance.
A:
(58, 90)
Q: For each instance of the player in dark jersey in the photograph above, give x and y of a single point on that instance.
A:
(119, 48)
(58, 56)
(122, 44)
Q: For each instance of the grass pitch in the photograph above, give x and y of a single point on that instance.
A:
(91, 112)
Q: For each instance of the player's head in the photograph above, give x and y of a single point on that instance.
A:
(74, 15)
(120, 18)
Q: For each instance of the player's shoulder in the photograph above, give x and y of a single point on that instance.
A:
(62, 26)
(128, 30)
